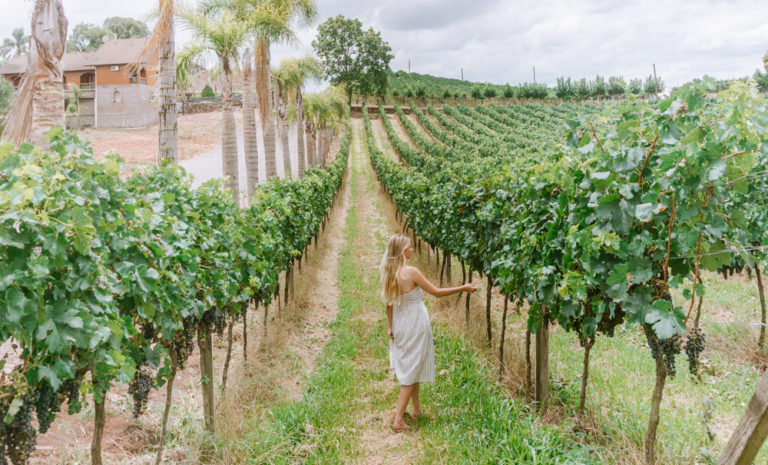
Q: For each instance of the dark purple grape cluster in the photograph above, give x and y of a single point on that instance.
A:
(666, 349)
(46, 407)
(694, 346)
(139, 389)
(19, 436)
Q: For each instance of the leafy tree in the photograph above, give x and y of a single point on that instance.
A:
(207, 91)
(635, 86)
(564, 88)
(509, 91)
(477, 92)
(16, 45)
(87, 37)
(125, 28)
(489, 92)
(765, 62)
(353, 57)
(616, 86)
(653, 86)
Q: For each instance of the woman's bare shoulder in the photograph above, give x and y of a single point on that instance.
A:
(409, 272)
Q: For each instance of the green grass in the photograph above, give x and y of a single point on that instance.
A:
(696, 416)
(474, 421)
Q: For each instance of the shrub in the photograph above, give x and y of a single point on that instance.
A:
(490, 92)
(207, 91)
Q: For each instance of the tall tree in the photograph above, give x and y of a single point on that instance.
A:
(357, 59)
(222, 33)
(322, 113)
(86, 37)
(126, 28)
(292, 76)
(162, 41)
(272, 22)
(16, 45)
(40, 103)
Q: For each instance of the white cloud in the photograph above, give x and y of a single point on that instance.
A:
(500, 41)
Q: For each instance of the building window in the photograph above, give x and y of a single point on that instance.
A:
(115, 68)
(116, 97)
(87, 80)
(141, 78)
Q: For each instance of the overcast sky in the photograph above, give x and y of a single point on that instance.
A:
(500, 41)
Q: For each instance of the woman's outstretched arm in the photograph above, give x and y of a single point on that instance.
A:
(425, 284)
(389, 318)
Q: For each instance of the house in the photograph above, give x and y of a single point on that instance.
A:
(113, 92)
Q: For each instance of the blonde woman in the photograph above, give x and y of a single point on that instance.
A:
(411, 349)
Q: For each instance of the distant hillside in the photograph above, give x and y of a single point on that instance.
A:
(404, 84)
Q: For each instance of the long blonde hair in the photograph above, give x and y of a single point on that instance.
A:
(392, 264)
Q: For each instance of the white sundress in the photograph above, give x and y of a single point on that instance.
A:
(412, 350)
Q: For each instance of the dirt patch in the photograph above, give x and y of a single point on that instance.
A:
(198, 133)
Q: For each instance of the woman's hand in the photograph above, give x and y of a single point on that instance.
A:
(470, 288)
(391, 336)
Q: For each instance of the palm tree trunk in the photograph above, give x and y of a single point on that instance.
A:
(264, 97)
(268, 134)
(228, 135)
(286, 149)
(311, 148)
(40, 103)
(300, 135)
(167, 126)
(250, 141)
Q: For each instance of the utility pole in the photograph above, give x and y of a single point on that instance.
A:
(409, 65)
(534, 75)
(462, 74)
(655, 79)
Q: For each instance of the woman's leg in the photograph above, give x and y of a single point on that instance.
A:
(415, 400)
(402, 403)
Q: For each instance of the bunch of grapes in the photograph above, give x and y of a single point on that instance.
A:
(139, 389)
(694, 346)
(19, 437)
(214, 319)
(70, 390)
(666, 349)
(47, 405)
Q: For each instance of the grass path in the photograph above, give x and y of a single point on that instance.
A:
(348, 403)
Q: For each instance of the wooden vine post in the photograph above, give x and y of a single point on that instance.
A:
(99, 420)
(761, 292)
(750, 434)
(488, 295)
(542, 365)
(503, 334)
(205, 343)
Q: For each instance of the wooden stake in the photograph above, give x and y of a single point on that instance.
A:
(750, 434)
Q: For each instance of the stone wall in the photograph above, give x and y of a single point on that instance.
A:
(125, 106)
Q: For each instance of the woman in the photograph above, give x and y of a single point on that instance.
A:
(411, 349)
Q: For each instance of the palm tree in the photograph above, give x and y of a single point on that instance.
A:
(163, 42)
(40, 103)
(292, 76)
(15, 46)
(272, 22)
(222, 33)
(323, 113)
